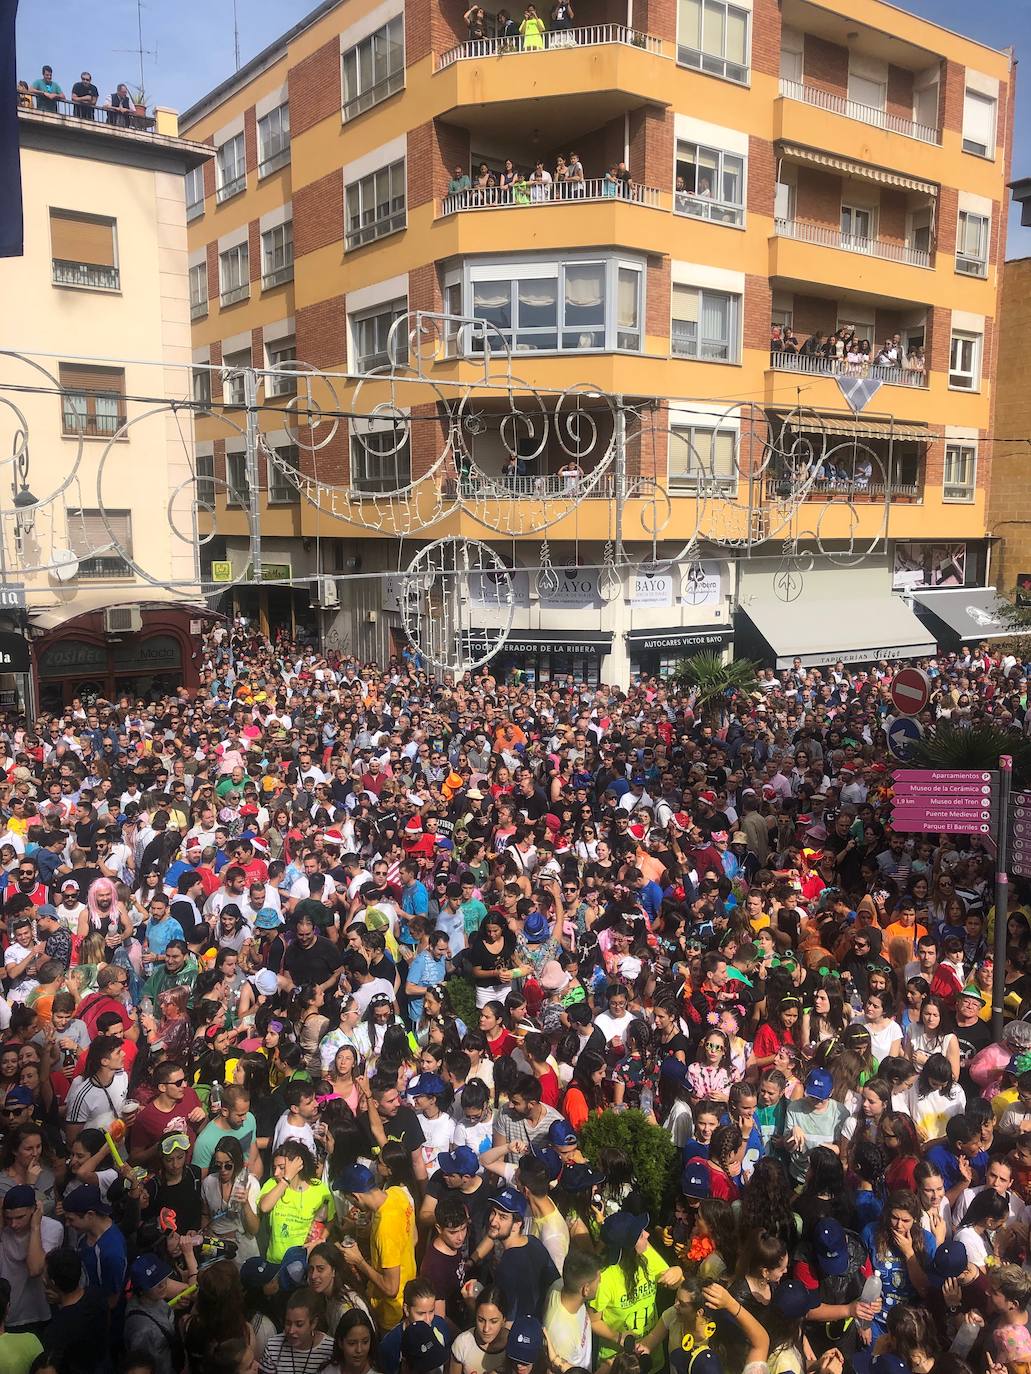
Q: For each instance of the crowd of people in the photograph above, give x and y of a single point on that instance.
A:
(503, 33)
(512, 186)
(844, 350)
(46, 95)
(329, 987)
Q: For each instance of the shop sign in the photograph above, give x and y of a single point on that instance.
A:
(928, 565)
(702, 584)
(69, 656)
(515, 645)
(674, 639)
(12, 596)
(156, 654)
(651, 589)
(270, 572)
(221, 572)
(14, 653)
(577, 587)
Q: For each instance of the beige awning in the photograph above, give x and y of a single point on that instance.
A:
(863, 170)
(873, 429)
(61, 609)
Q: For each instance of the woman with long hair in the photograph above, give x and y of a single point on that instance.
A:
(330, 1275)
(781, 1027)
(173, 1028)
(354, 1344)
(824, 1193)
(897, 1249)
(585, 1096)
(762, 1263)
(340, 1077)
(825, 1020)
(27, 1159)
(935, 1097)
(379, 1017)
(716, 1222)
(230, 1197)
(481, 1349)
(930, 1036)
(864, 1123)
(767, 1202)
(293, 1170)
(632, 1268)
(879, 1019)
(898, 1138)
(712, 1073)
(218, 1315)
(726, 1151)
(984, 1218)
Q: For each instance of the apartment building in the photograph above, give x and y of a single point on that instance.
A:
(1009, 509)
(98, 591)
(795, 168)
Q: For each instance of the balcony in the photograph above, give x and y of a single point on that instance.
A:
(859, 114)
(75, 422)
(815, 366)
(828, 237)
(843, 488)
(86, 274)
(704, 207)
(533, 195)
(554, 487)
(198, 309)
(591, 36)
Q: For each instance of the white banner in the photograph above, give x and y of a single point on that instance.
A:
(702, 584)
(651, 589)
(577, 587)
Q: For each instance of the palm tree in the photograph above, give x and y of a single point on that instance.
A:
(712, 680)
(977, 747)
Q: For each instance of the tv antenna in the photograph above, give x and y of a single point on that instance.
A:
(140, 51)
(236, 36)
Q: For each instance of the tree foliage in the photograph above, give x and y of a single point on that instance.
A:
(654, 1159)
(977, 746)
(711, 679)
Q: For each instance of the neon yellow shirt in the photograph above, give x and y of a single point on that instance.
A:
(291, 1218)
(635, 1311)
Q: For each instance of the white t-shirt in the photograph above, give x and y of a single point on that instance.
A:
(611, 1026)
(284, 1131)
(89, 1104)
(977, 1251)
(1019, 1210)
(439, 1133)
(568, 1332)
(882, 1040)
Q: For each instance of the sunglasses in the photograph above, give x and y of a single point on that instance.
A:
(175, 1082)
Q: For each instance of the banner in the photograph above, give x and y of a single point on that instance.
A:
(11, 224)
(577, 588)
(928, 565)
(702, 584)
(651, 589)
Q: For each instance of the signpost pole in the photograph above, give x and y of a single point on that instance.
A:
(1002, 905)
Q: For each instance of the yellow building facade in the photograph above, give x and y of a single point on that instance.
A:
(741, 174)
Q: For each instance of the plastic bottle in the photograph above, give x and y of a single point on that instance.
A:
(215, 1098)
(871, 1293)
(647, 1100)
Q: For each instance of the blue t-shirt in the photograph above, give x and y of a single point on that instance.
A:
(106, 1262)
(425, 972)
(945, 1162)
(161, 933)
(415, 900)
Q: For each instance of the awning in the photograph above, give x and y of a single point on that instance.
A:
(862, 170)
(570, 641)
(839, 426)
(85, 601)
(820, 632)
(967, 614)
(680, 637)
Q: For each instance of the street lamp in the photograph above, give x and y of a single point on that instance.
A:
(25, 505)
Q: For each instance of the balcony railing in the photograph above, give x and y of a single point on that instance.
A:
(104, 115)
(500, 488)
(234, 187)
(704, 207)
(75, 422)
(829, 237)
(233, 294)
(198, 309)
(87, 274)
(858, 489)
(858, 113)
(591, 36)
(558, 193)
(278, 276)
(110, 565)
(815, 365)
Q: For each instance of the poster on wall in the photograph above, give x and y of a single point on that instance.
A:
(576, 588)
(651, 589)
(702, 583)
(929, 565)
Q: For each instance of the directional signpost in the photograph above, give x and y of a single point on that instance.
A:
(902, 733)
(1020, 859)
(963, 801)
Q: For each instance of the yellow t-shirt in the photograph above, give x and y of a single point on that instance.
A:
(392, 1246)
(632, 1312)
(291, 1218)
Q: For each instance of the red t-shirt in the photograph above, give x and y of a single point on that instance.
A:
(550, 1088)
(152, 1123)
(128, 1058)
(504, 1043)
(768, 1042)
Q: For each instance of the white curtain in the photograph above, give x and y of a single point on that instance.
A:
(585, 286)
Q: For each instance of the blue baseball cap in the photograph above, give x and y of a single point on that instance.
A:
(525, 1340)
(293, 1269)
(695, 1181)
(831, 1247)
(819, 1084)
(622, 1230)
(561, 1134)
(793, 1300)
(256, 1273)
(673, 1069)
(578, 1178)
(949, 1260)
(148, 1271)
(508, 1200)
(356, 1178)
(550, 1160)
(86, 1198)
(462, 1161)
(427, 1085)
(423, 1348)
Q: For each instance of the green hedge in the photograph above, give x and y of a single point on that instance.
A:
(654, 1157)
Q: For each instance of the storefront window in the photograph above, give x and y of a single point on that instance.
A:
(549, 665)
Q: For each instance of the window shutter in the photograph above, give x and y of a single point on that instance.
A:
(979, 120)
(104, 380)
(685, 303)
(82, 238)
(87, 532)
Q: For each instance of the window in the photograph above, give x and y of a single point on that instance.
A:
(857, 223)
(101, 542)
(705, 324)
(574, 306)
(274, 140)
(978, 124)
(376, 205)
(791, 50)
(972, 244)
(201, 386)
(702, 457)
(194, 193)
(370, 332)
(281, 491)
(867, 82)
(198, 291)
(710, 184)
(374, 68)
(713, 36)
(83, 250)
(206, 481)
(453, 311)
(93, 400)
(282, 353)
(234, 268)
(960, 472)
(965, 361)
(230, 169)
(380, 461)
(236, 479)
(277, 255)
(234, 365)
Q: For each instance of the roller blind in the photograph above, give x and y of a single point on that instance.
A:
(978, 120)
(87, 532)
(685, 303)
(82, 238)
(105, 380)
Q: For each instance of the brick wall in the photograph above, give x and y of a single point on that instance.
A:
(825, 65)
(818, 197)
(891, 219)
(648, 443)
(947, 217)
(424, 289)
(258, 347)
(657, 17)
(811, 313)
(428, 438)
(434, 150)
(766, 37)
(250, 139)
(319, 213)
(658, 291)
(939, 330)
(254, 249)
(218, 448)
(953, 88)
(900, 92)
(886, 323)
(757, 307)
(209, 171)
(315, 88)
(762, 175)
(321, 331)
(434, 26)
(212, 271)
(651, 146)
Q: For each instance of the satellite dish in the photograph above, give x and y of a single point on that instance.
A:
(63, 565)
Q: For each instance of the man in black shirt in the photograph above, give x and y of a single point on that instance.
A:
(387, 1118)
(311, 960)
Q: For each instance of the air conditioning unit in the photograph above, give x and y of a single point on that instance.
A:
(123, 620)
(326, 593)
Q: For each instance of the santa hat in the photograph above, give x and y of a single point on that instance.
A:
(637, 830)
(682, 820)
(332, 837)
(708, 797)
(259, 845)
(413, 826)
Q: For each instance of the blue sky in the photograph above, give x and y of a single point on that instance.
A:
(193, 40)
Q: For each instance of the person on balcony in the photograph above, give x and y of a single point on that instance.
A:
(815, 344)
(562, 17)
(484, 187)
(47, 92)
(532, 30)
(85, 96)
(915, 361)
(507, 181)
(476, 22)
(540, 183)
(507, 31)
(560, 177)
(788, 340)
(892, 353)
(572, 475)
(459, 185)
(776, 339)
(681, 198)
(626, 184)
(121, 107)
(577, 180)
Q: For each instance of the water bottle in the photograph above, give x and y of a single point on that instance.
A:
(965, 1337)
(872, 1291)
(215, 1098)
(647, 1100)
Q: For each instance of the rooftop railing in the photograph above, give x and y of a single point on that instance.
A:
(589, 36)
(61, 107)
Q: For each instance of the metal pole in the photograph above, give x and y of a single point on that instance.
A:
(1002, 893)
(250, 399)
(620, 476)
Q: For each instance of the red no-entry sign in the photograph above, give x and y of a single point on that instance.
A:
(910, 691)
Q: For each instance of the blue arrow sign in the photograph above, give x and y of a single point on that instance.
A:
(903, 732)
